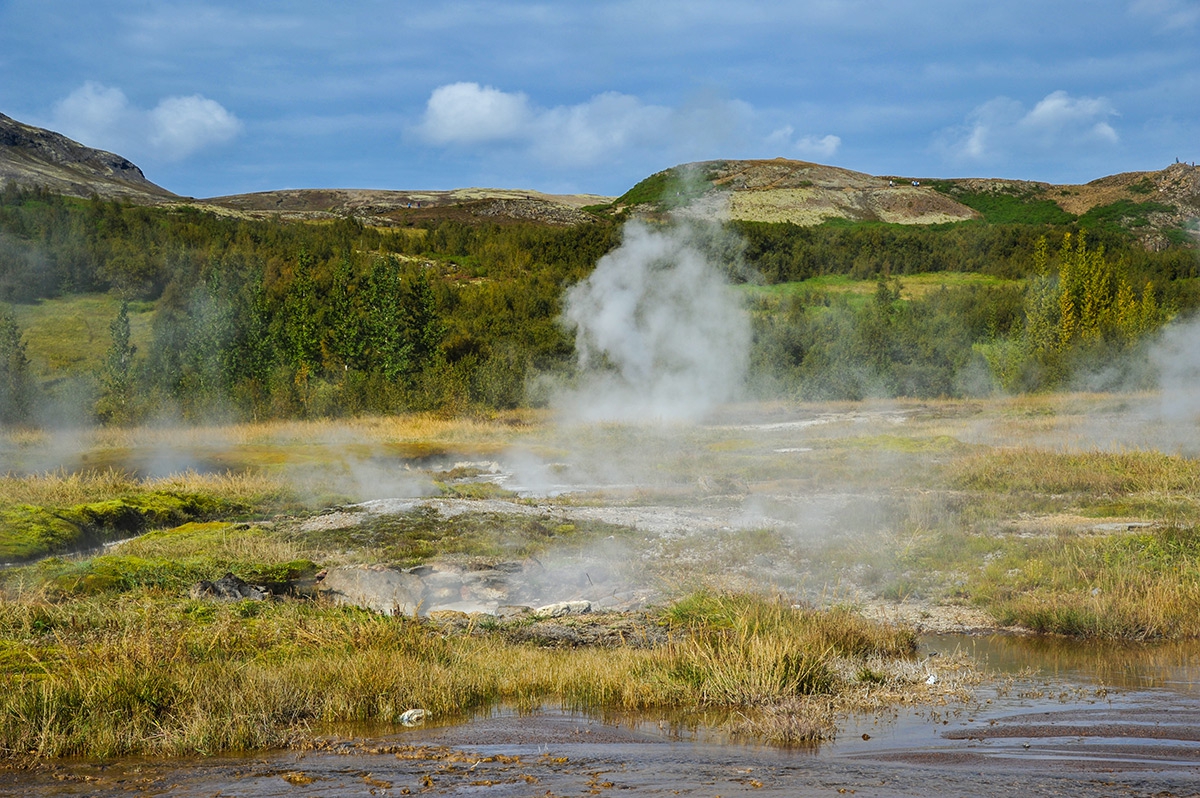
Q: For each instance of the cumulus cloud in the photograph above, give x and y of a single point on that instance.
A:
(1002, 127)
(807, 146)
(582, 134)
(102, 116)
(467, 112)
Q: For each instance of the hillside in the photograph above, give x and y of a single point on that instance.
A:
(1155, 206)
(390, 208)
(32, 157)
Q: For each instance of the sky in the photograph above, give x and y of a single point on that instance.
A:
(212, 97)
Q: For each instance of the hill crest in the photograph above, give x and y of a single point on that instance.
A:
(33, 157)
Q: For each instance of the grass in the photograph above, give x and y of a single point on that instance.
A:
(1123, 215)
(58, 512)
(1008, 207)
(71, 335)
(912, 286)
(149, 673)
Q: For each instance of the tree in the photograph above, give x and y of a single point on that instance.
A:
(116, 402)
(15, 385)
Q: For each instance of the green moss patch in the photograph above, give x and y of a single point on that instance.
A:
(28, 531)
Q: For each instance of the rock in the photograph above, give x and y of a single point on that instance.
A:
(412, 717)
(228, 588)
(384, 590)
(513, 611)
(466, 608)
(561, 608)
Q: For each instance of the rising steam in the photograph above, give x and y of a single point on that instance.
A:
(658, 331)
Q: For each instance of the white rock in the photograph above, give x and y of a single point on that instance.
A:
(561, 608)
(384, 590)
(413, 717)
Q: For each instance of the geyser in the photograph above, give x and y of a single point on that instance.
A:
(659, 333)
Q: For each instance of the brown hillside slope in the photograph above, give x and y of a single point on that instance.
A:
(388, 208)
(32, 157)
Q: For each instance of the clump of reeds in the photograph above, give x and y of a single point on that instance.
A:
(152, 674)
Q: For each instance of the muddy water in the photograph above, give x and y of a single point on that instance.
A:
(1058, 719)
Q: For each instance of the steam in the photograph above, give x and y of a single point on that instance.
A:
(1178, 362)
(659, 334)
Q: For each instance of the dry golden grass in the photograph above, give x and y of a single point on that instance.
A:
(150, 674)
(62, 489)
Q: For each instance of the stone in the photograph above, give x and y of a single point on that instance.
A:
(385, 590)
(228, 588)
(413, 717)
(561, 608)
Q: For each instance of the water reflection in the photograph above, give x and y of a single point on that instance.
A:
(1130, 666)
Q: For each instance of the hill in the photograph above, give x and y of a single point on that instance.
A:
(390, 208)
(1155, 206)
(32, 157)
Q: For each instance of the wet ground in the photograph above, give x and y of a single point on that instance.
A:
(1058, 719)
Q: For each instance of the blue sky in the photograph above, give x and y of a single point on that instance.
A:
(226, 97)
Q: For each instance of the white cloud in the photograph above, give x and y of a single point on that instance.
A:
(180, 126)
(587, 133)
(817, 147)
(813, 147)
(463, 113)
(102, 116)
(1002, 127)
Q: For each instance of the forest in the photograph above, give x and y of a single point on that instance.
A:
(281, 319)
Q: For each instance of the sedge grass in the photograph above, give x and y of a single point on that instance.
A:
(147, 673)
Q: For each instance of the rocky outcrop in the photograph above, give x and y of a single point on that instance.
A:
(32, 157)
(384, 590)
(229, 588)
(501, 590)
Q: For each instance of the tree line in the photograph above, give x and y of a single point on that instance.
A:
(263, 318)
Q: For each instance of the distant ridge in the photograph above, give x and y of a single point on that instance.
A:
(1160, 207)
(32, 157)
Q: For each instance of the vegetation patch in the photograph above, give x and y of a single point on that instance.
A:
(1010, 205)
(143, 674)
(28, 531)
(411, 538)
(1123, 215)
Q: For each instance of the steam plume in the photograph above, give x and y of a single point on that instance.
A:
(659, 333)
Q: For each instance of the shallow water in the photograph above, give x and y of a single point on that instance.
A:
(1060, 718)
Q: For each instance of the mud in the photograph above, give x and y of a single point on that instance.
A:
(992, 752)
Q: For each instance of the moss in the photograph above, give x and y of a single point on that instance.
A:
(29, 531)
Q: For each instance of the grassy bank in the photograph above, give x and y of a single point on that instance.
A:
(152, 673)
(52, 513)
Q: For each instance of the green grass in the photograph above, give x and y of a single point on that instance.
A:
(670, 188)
(999, 207)
(58, 512)
(29, 531)
(859, 292)
(71, 335)
(1122, 215)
